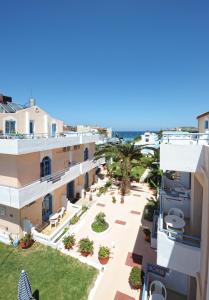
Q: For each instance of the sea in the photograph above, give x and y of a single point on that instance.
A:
(127, 135)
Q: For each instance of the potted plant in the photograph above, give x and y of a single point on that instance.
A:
(147, 234)
(26, 241)
(135, 278)
(69, 241)
(103, 255)
(86, 247)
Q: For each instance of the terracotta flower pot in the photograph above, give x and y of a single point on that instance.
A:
(25, 245)
(103, 260)
(85, 254)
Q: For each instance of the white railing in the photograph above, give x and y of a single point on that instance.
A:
(185, 138)
(19, 197)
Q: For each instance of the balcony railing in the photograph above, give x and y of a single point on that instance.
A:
(175, 235)
(46, 135)
(186, 138)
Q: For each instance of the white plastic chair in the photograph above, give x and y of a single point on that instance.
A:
(61, 212)
(176, 212)
(157, 288)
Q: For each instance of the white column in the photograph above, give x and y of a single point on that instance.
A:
(26, 122)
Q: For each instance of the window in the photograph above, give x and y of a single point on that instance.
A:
(2, 211)
(46, 166)
(10, 127)
(54, 129)
(206, 124)
(86, 154)
(31, 127)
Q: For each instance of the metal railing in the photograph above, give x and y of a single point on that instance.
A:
(185, 136)
(46, 135)
(175, 235)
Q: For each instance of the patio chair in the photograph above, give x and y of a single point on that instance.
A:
(61, 212)
(177, 212)
(157, 288)
(54, 222)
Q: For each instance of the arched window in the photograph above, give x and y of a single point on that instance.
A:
(46, 166)
(86, 154)
(86, 181)
(47, 207)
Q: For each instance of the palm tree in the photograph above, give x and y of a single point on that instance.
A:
(127, 155)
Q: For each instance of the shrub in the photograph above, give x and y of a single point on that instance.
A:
(85, 245)
(149, 209)
(113, 199)
(26, 238)
(104, 252)
(108, 184)
(135, 278)
(100, 218)
(69, 241)
(99, 224)
(74, 219)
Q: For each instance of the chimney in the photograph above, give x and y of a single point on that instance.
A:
(32, 102)
(5, 99)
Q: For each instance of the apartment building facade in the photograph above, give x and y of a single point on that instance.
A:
(183, 248)
(41, 168)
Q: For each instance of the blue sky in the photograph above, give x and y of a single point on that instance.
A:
(131, 64)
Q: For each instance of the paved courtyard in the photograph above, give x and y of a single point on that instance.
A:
(124, 237)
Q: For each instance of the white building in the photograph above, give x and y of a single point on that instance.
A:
(181, 227)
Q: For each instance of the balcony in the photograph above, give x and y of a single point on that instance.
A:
(19, 197)
(23, 143)
(177, 250)
(183, 151)
(176, 283)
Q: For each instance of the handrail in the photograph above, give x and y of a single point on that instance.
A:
(176, 136)
(174, 235)
(45, 135)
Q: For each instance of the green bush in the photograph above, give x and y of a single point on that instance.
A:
(149, 209)
(85, 245)
(74, 219)
(104, 252)
(108, 184)
(69, 241)
(135, 278)
(99, 224)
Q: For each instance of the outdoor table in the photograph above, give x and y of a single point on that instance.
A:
(174, 221)
(157, 297)
(54, 216)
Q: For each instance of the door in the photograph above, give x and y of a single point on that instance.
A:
(31, 127)
(86, 181)
(46, 207)
(54, 129)
(70, 191)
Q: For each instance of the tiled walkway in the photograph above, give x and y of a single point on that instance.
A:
(124, 237)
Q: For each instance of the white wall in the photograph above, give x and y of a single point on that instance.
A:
(185, 158)
(177, 256)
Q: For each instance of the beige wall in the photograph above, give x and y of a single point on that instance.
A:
(201, 123)
(32, 212)
(42, 120)
(57, 197)
(11, 220)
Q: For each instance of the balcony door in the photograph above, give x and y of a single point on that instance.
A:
(54, 129)
(86, 181)
(46, 207)
(71, 191)
(45, 166)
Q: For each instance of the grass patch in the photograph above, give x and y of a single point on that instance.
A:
(54, 275)
(99, 227)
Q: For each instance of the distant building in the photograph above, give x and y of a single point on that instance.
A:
(95, 129)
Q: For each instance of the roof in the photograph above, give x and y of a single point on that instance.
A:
(10, 107)
(203, 115)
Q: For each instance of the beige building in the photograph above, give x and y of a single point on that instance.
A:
(42, 169)
(181, 227)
